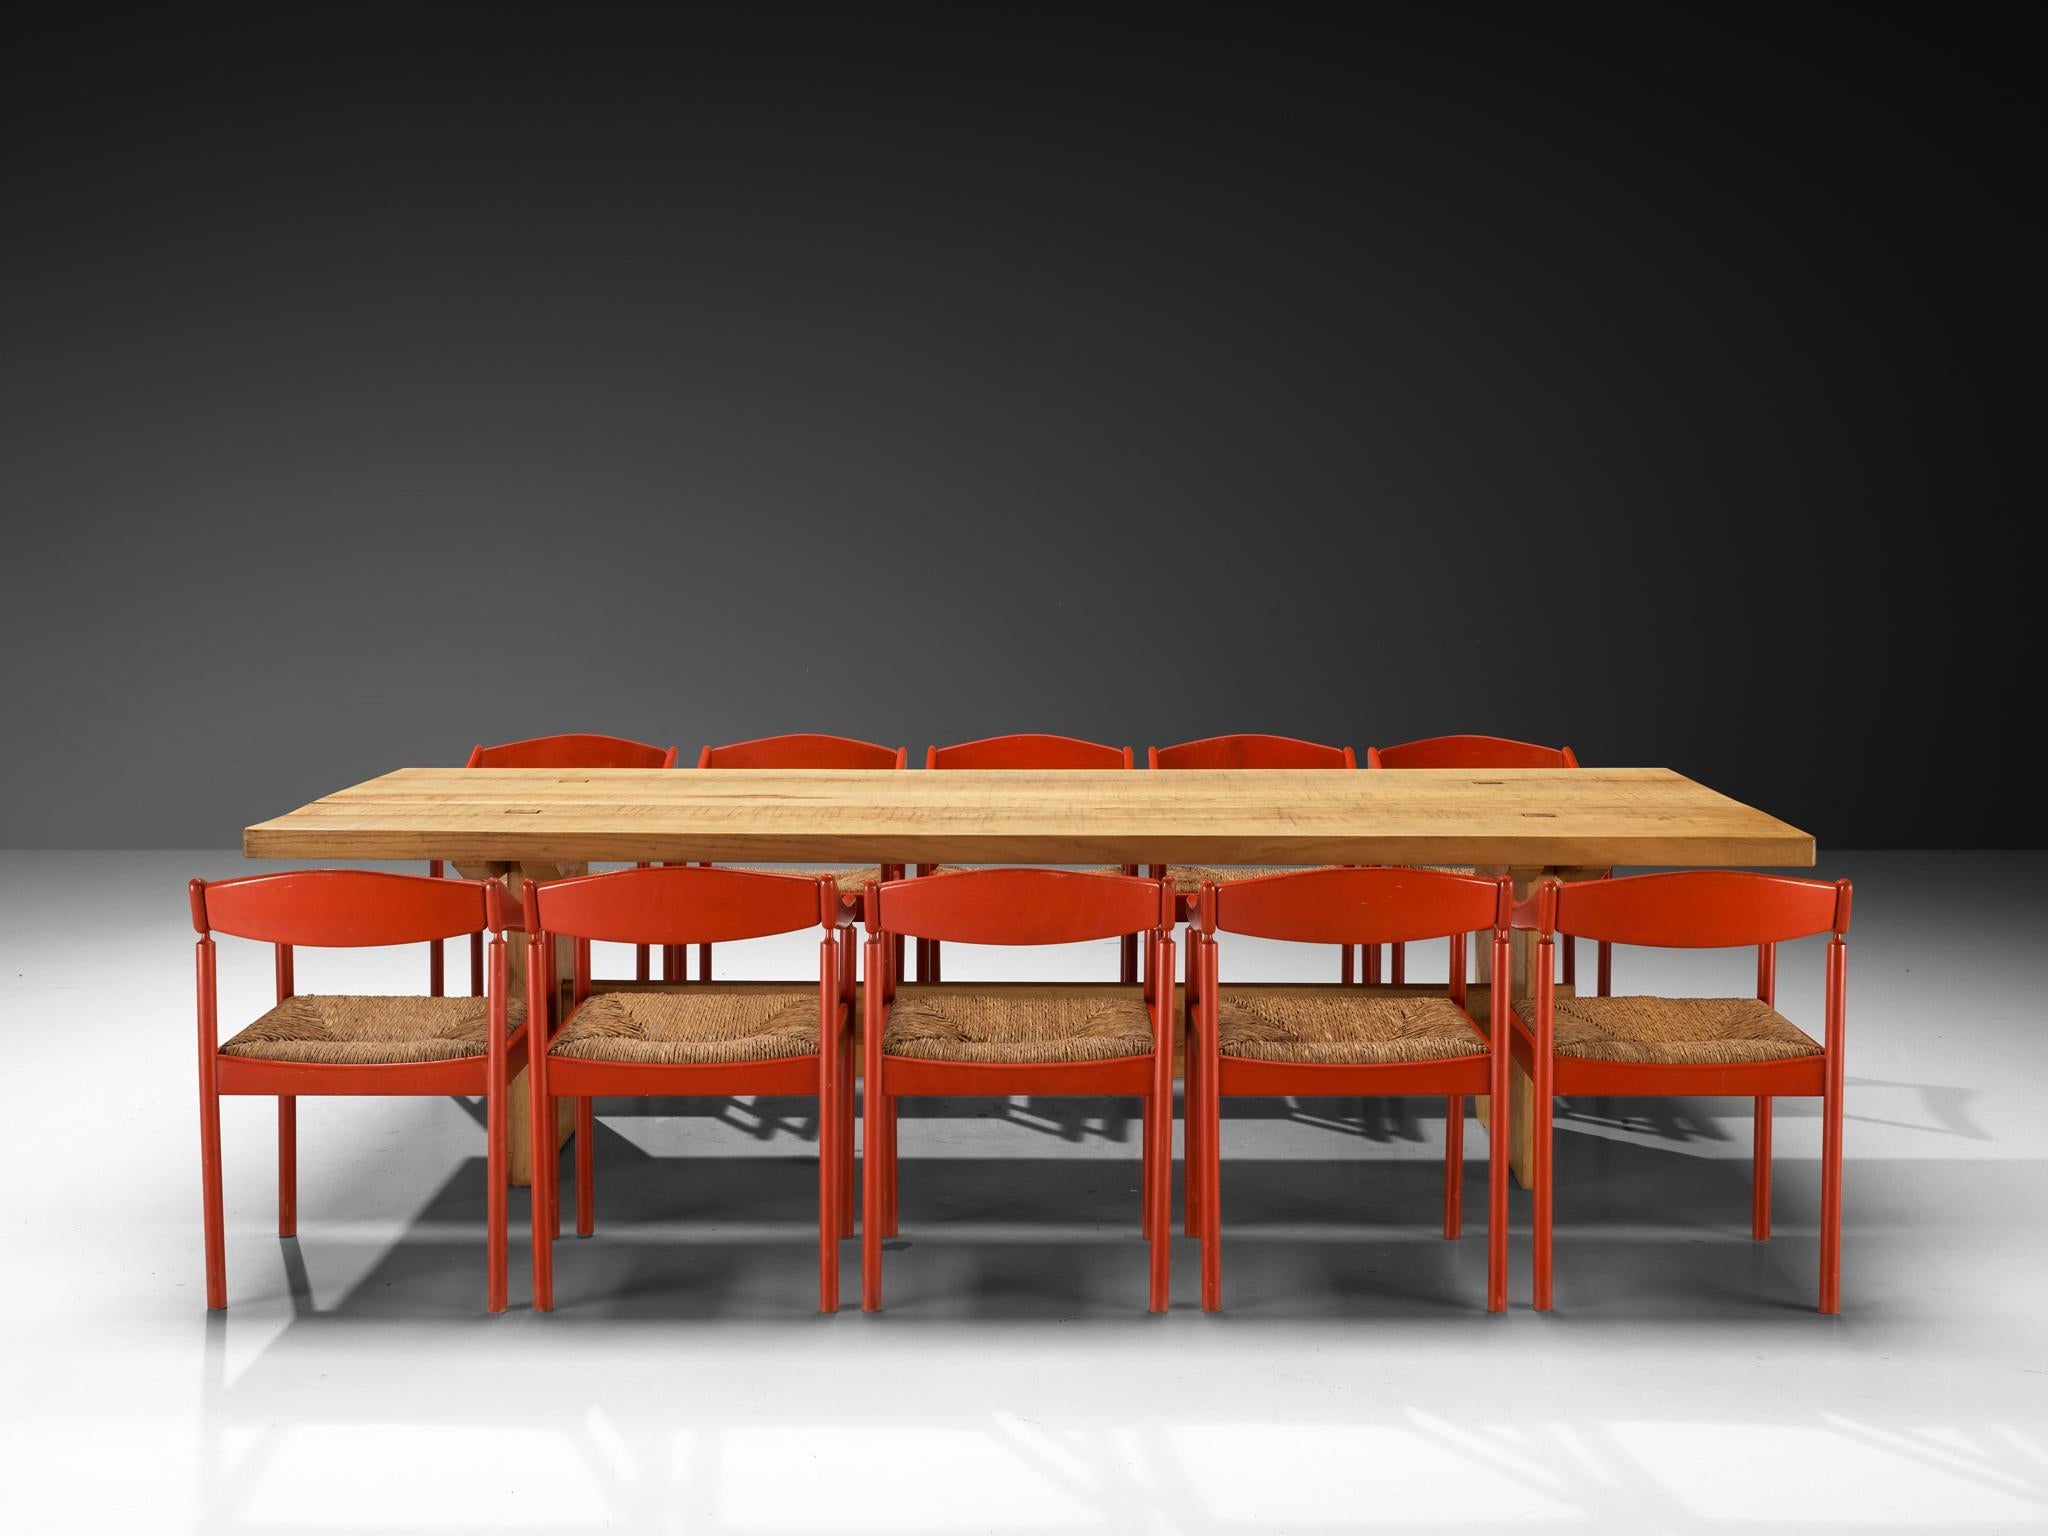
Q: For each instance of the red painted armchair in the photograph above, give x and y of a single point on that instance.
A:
(351, 1045)
(1691, 1046)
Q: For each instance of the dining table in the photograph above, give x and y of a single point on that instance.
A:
(516, 824)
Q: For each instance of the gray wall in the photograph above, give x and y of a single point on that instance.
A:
(375, 384)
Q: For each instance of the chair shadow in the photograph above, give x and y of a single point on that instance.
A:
(1645, 1231)
(1384, 1120)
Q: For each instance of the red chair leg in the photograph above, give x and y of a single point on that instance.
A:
(891, 1186)
(1497, 1171)
(704, 962)
(1372, 964)
(1540, 1223)
(1606, 969)
(871, 1215)
(1129, 971)
(1211, 1112)
(497, 1172)
(842, 1082)
(1397, 966)
(1454, 1165)
(829, 1213)
(1146, 1117)
(1760, 1173)
(586, 1172)
(476, 965)
(1159, 1190)
(843, 1085)
(1159, 1120)
(287, 1166)
(1192, 1131)
(1569, 948)
(1344, 966)
(1831, 1138)
(546, 1169)
(849, 1196)
(209, 1191)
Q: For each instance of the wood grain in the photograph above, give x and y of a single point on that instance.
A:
(1522, 818)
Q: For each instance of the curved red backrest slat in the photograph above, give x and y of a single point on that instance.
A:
(1361, 906)
(1251, 751)
(802, 751)
(1701, 909)
(677, 904)
(1021, 906)
(339, 908)
(1028, 750)
(573, 751)
(1470, 752)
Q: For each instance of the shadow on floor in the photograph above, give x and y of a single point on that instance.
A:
(1644, 1231)
(1381, 1120)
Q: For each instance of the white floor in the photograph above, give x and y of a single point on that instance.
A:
(1015, 1383)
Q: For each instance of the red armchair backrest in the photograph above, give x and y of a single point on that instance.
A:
(339, 908)
(1020, 906)
(1357, 906)
(573, 751)
(1691, 909)
(802, 751)
(1028, 750)
(679, 904)
(1251, 751)
(1470, 752)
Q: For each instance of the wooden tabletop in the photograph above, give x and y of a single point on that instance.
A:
(1517, 818)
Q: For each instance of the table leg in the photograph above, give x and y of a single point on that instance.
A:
(1521, 955)
(519, 1122)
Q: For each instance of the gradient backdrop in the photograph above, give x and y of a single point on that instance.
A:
(378, 381)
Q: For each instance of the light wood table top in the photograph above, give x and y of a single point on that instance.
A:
(1509, 818)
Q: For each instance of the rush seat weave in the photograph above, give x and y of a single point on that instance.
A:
(1681, 1031)
(346, 1030)
(699, 1024)
(1187, 878)
(1023, 1022)
(851, 879)
(1093, 869)
(1336, 1025)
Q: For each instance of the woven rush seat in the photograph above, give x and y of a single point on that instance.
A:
(954, 869)
(1018, 1023)
(851, 879)
(1679, 1031)
(1337, 1025)
(696, 1025)
(1187, 878)
(371, 1031)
